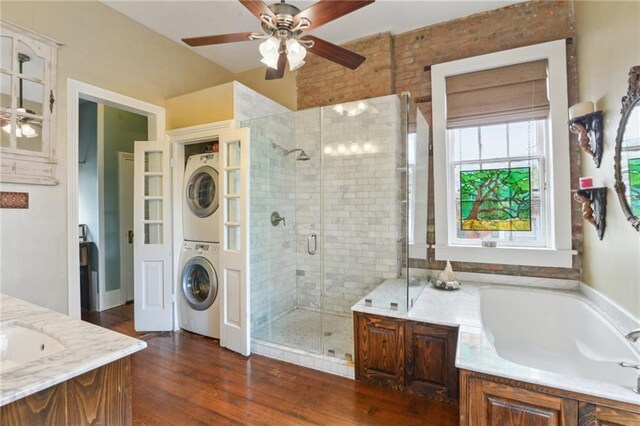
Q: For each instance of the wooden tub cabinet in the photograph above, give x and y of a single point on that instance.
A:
(406, 355)
(488, 400)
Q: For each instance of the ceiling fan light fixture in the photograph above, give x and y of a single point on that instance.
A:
(22, 130)
(296, 53)
(270, 51)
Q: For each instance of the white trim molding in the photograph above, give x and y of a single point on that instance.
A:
(558, 251)
(77, 90)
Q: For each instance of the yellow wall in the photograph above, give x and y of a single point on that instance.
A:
(106, 49)
(283, 90)
(200, 107)
(607, 43)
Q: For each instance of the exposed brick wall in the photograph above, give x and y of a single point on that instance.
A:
(401, 63)
(321, 82)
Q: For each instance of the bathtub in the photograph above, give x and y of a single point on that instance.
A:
(555, 332)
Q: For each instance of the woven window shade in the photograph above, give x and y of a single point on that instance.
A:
(498, 95)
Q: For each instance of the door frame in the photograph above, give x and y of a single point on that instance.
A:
(122, 241)
(77, 90)
(178, 138)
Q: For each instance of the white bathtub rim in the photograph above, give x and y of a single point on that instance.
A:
(612, 323)
(488, 361)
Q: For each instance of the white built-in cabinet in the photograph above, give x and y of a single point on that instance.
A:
(27, 106)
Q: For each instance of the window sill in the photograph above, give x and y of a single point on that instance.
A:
(544, 257)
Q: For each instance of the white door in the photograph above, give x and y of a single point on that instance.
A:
(234, 241)
(153, 306)
(125, 205)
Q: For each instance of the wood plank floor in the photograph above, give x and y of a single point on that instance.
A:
(183, 379)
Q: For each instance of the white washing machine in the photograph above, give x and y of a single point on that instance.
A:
(201, 199)
(198, 299)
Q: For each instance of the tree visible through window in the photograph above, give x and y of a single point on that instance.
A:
(495, 199)
(634, 185)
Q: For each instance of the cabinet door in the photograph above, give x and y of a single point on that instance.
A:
(379, 350)
(430, 360)
(598, 415)
(497, 404)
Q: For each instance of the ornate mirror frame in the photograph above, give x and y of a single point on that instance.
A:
(628, 103)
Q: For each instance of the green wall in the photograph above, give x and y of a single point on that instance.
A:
(121, 130)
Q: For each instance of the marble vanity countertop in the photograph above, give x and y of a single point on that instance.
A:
(460, 308)
(87, 347)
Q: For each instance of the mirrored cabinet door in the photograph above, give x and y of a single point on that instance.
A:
(27, 100)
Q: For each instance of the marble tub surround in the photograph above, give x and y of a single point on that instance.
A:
(87, 347)
(393, 291)
(460, 308)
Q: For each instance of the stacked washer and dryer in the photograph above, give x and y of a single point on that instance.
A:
(198, 299)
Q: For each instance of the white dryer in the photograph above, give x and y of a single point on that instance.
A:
(201, 199)
(198, 299)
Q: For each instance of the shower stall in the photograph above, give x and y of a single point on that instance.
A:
(327, 219)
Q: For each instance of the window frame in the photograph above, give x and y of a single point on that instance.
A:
(24, 166)
(557, 251)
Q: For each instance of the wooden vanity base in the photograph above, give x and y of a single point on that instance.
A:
(101, 396)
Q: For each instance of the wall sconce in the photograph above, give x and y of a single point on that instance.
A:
(594, 206)
(587, 124)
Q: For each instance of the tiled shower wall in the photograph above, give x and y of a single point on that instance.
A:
(308, 209)
(360, 204)
(272, 266)
(273, 256)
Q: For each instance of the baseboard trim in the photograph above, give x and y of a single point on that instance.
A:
(111, 299)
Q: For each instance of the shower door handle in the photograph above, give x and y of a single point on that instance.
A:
(315, 243)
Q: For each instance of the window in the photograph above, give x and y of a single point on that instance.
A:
(498, 174)
(27, 119)
(501, 158)
(418, 180)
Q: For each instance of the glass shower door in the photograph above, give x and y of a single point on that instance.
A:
(361, 148)
(286, 274)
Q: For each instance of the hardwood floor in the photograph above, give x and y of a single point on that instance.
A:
(118, 319)
(183, 378)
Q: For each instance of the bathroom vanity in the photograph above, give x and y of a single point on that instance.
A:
(59, 370)
(101, 396)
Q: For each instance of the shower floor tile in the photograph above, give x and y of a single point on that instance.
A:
(302, 329)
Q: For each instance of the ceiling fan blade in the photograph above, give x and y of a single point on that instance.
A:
(278, 73)
(216, 39)
(258, 7)
(327, 10)
(334, 53)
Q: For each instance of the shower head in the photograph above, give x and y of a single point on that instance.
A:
(301, 157)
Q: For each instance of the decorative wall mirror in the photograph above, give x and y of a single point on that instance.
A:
(627, 156)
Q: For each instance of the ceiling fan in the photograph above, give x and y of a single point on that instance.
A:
(283, 26)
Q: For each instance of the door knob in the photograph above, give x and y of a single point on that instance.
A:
(130, 235)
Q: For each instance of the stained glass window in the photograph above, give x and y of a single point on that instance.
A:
(634, 185)
(497, 172)
(495, 199)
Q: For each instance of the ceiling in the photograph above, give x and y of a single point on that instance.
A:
(178, 19)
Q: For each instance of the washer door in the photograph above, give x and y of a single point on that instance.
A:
(199, 283)
(202, 191)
